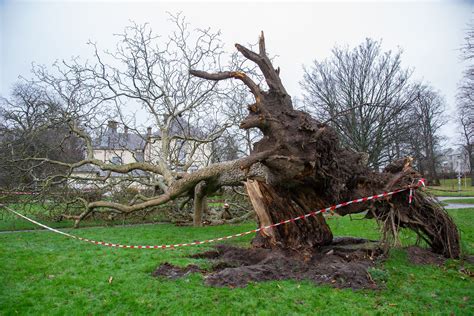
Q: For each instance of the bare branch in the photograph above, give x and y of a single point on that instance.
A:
(227, 75)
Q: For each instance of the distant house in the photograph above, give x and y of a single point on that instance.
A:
(119, 148)
(112, 147)
(123, 147)
(454, 161)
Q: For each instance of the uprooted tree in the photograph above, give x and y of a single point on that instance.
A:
(306, 169)
(296, 167)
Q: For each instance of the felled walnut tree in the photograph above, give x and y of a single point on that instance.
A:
(306, 169)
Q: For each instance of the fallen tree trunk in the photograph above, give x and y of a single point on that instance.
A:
(199, 203)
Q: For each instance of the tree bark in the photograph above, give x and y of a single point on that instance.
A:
(199, 203)
(471, 164)
(272, 205)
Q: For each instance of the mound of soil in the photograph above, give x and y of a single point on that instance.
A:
(419, 255)
(344, 264)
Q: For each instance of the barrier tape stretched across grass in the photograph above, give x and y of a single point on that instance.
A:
(324, 210)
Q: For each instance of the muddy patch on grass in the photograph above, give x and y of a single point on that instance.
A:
(344, 264)
(173, 272)
(419, 255)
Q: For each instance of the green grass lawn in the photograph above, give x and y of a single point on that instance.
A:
(449, 187)
(45, 273)
(453, 183)
(39, 212)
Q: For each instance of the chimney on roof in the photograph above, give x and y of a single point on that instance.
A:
(125, 129)
(112, 125)
(148, 132)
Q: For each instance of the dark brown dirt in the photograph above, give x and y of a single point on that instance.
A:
(174, 272)
(343, 264)
(419, 255)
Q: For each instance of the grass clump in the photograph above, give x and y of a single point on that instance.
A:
(378, 275)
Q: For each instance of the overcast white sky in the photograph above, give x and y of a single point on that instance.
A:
(429, 32)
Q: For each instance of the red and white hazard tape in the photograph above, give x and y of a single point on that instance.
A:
(421, 182)
(324, 210)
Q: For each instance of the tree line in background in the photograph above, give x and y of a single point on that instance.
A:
(48, 124)
(465, 100)
(371, 101)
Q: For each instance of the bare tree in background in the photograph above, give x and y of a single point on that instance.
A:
(30, 129)
(426, 119)
(363, 93)
(465, 100)
(155, 76)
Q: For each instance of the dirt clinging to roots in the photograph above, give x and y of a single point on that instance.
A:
(344, 264)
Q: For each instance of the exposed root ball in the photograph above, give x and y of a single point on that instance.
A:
(424, 216)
